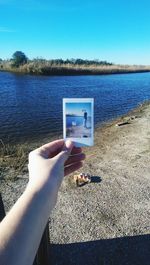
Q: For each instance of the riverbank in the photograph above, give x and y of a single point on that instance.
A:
(46, 68)
(115, 204)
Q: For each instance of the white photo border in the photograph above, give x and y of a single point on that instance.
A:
(78, 142)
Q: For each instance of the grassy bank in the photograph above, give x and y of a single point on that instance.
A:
(13, 160)
(44, 67)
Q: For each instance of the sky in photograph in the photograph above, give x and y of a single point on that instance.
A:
(78, 109)
(112, 30)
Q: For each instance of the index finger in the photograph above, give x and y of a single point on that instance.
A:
(51, 148)
(76, 150)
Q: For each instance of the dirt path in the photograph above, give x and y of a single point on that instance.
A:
(117, 206)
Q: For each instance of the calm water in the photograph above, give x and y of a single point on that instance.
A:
(31, 106)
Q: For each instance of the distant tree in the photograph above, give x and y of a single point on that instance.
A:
(73, 61)
(19, 58)
(1, 63)
(58, 61)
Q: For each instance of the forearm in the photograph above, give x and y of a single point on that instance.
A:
(22, 228)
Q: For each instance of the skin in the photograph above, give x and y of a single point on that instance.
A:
(21, 230)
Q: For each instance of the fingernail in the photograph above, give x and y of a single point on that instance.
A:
(69, 144)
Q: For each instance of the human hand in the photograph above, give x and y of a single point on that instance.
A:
(49, 163)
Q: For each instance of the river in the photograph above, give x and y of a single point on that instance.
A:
(31, 106)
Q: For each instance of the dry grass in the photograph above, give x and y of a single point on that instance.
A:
(48, 68)
(13, 158)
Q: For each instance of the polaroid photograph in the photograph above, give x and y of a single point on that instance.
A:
(78, 120)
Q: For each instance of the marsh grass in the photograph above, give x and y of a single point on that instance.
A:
(13, 159)
(47, 67)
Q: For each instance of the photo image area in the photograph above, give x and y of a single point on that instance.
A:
(78, 121)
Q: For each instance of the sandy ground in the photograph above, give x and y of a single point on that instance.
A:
(107, 221)
(79, 132)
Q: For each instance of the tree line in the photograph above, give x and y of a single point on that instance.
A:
(19, 58)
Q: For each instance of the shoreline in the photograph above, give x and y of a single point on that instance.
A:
(13, 156)
(78, 70)
(57, 134)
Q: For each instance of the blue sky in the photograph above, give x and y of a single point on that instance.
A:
(78, 108)
(112, 30)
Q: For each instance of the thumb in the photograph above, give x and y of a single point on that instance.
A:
(64, 154)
